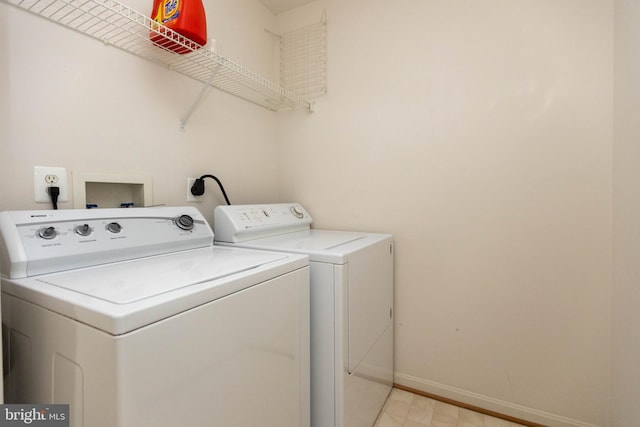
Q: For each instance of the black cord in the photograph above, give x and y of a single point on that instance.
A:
(54, 192)
(197, 189)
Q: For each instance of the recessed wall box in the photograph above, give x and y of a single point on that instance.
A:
(111, 190)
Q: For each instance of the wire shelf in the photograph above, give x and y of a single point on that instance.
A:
(303, 60)
(118, 25)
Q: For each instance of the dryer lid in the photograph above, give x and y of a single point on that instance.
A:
(321, 245)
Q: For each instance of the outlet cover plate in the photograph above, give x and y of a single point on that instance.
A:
(46, 176)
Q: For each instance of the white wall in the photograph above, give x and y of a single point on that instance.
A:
(625, 347)
(480, 135)
(70, 101)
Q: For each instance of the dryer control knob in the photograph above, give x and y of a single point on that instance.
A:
(296, 212)
(185, 222)
(47, 233)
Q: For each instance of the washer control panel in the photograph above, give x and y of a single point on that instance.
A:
(38, 242)
(239, 223)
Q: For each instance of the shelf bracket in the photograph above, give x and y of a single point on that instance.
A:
(206, 86)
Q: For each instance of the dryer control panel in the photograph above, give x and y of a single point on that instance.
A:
(46, 241)
(239, 223)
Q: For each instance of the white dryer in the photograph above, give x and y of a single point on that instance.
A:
(351, 305)
(134, 318)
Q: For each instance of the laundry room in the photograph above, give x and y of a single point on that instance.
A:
(495, 140)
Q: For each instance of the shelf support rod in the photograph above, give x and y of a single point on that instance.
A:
(206, 86)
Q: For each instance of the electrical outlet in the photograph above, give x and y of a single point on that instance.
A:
(51, 179)
(191, 197)
(45, 177)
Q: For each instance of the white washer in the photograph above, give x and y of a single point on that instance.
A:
(351, 305)
(134, 318)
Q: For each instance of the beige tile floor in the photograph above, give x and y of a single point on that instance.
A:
(404, 409)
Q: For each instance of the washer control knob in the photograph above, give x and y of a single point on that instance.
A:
(83, 230)
(114, 227)
(47, 233)
(184, 222)
(296, 212)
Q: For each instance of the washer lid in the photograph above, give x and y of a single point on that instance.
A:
(137, 280)
(321, 245)
(124, 296)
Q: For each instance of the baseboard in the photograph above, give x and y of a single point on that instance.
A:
(489, 405)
